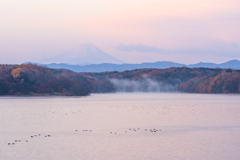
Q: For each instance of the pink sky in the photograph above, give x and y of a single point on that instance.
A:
(189, 31)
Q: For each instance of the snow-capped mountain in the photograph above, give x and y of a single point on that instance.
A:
(83, 54)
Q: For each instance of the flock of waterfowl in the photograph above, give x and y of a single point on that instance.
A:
(33, 136)
(54, 110)
(69, 110)
(129, 130)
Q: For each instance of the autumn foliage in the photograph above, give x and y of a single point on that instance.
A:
(30, 79)
(189, 80)
(226, 81)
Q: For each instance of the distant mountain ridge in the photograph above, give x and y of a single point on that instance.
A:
(233, 64)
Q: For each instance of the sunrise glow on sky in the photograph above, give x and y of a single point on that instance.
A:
(134, 31)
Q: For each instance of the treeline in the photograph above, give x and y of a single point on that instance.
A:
(29, 79)
(223, 81)
(189, 80)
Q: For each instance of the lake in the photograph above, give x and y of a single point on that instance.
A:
(137, 126)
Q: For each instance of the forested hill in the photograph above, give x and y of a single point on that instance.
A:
(188, 80)
(30, 79)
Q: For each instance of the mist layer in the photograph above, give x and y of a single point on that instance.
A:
(143, 85)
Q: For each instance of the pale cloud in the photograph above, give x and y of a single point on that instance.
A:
(223, 51)
(139, 48)
(217, 49)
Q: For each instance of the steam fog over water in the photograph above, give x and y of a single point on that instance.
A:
(122, 126)
(143, 85)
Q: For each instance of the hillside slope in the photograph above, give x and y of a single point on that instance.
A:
(32, 79)
(183, 79)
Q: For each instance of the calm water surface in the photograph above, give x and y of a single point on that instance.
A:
(120, 127)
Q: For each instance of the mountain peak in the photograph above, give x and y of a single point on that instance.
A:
(84, 54)
(86, 46)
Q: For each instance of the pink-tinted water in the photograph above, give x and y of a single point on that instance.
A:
(120, 127)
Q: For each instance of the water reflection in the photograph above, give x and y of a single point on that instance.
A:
(120, 126)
